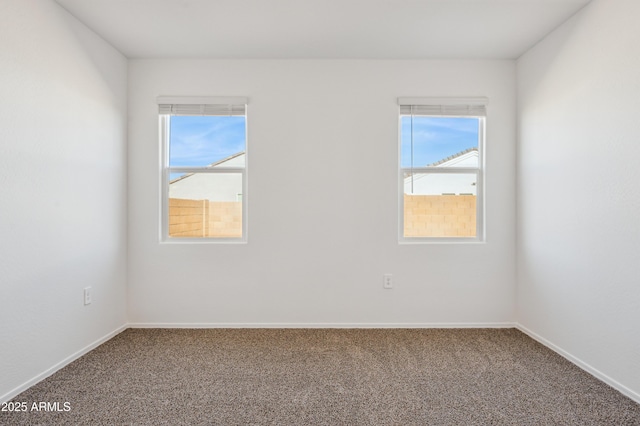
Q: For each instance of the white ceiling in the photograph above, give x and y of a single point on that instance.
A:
(371, 29)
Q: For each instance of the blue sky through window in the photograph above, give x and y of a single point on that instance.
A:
(198, 141)
(436, 138)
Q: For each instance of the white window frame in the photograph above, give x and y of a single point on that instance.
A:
(445, 107)
(198, 106)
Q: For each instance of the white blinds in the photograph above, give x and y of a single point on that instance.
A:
(455, 107)
(202, 105)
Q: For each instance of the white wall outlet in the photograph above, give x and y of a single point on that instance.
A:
(87, 295)
(387, 281)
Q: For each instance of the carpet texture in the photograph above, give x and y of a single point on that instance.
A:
(324, 377)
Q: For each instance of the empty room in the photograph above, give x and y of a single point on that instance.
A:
(366, 212)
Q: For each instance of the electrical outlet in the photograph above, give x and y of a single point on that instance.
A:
(387, 281)
(87, 295)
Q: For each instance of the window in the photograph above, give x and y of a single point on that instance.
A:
(441, 169)
(204, 169)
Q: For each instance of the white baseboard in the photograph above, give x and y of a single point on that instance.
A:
(323, 325)
(583, 365)
(14, 392)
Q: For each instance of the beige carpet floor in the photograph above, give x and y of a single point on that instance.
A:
(324, 377)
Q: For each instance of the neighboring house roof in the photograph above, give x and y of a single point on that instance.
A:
(419, 183)
(449, 160)
(469, 155)
(214, 164)
(224, 160)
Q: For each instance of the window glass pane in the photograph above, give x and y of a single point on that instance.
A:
(206, 205)
(437, 139)
(440, 204)
(200, 141)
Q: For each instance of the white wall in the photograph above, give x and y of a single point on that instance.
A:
(578, 199)
(62, 189)
(322, 170)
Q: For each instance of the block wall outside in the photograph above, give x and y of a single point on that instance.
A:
(424, 216)
(439, 215)
(225, 219)
(203, 218)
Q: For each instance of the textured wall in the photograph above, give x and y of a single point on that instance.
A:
(322, 199)
(63, 189)
(578, 198)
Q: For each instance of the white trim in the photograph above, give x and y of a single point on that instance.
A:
(479, 171)
(479, 100)
(436, 169)
(322, 325)
(481, 208)
(164, 132)
(206, 169)
(60, 365)
(202, 240)
(581, 364)
(165, 173)
(440, 240)
(202, 100)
